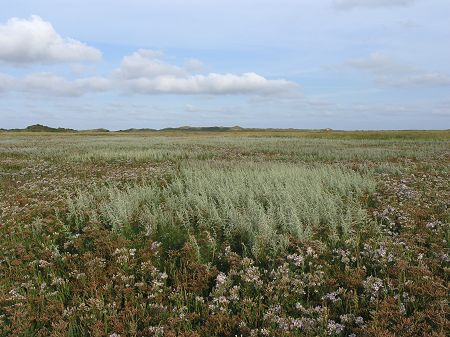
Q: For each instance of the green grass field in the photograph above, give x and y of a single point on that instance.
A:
(247, 233)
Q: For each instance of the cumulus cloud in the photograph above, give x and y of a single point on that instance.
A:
(142, 72)
(350, 4)
(145, 63)
(388, 72)
(34, 40)
(211, 84)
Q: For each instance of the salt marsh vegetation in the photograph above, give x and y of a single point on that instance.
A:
(261, 234)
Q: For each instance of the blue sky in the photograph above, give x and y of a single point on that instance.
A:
(343, 64)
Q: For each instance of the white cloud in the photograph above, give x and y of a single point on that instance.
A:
(211, 84)
(25, 41)
(146, 63)
(142, 72)
(388, 72)
(350, 4)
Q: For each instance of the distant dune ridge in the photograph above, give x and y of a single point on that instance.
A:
(45, 128)
(41, 128)
(253, 132)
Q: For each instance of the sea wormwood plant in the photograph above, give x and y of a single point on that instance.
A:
(256, 208)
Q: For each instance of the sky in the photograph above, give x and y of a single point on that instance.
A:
(341, 64)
